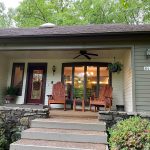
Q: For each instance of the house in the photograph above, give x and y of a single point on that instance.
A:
(33, 59)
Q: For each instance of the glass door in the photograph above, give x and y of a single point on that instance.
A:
(68, 81)
(91, 81)
(104, 76)
(79, 82)
(36, 83)
(83, 80)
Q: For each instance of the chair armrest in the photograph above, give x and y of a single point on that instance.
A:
(50, 97)
(108, 97)
(93, 98)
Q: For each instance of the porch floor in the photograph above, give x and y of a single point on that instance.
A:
(56, 113)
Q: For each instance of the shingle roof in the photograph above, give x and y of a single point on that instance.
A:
(75, 30)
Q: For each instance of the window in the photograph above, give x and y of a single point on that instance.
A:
(84, 79)
(68, 81)
(17, 77)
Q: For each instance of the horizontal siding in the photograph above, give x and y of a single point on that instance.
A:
(143, 95)
(143, 108)
(146, 76)
(140, 64)
(141, 57)
(139, 46)
(143, 99)
(142, 72)
(142, 79)
(142, 83)
(140, 68)
(145, 103)
(142, 91)
(140, 53)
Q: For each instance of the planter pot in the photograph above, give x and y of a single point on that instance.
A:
(114, 69)
(10, 98)
(120, 107)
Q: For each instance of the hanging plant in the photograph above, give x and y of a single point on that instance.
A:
(115, 66)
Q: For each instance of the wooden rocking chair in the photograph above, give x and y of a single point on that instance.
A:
(58, 95)
(108, 97)
(104, 99)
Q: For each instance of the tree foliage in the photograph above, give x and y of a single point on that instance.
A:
(31, 13)
(36, 12)
(115, 11)
(6, 17)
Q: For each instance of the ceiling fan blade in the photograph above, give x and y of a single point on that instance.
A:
(87, 56)
(77, 56)
(92, 54)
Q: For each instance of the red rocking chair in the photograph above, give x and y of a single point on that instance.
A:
(58, 95)
(104, 99)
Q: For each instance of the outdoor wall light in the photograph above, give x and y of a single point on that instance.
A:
(54, 69)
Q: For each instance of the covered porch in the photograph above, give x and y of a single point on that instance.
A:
(68, 69)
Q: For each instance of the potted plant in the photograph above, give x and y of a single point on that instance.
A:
(11, 93)
(116, 66)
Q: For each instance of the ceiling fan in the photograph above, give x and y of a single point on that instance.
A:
(86, 54)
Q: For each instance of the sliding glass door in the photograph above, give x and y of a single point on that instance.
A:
(83, 80)
(91, 81)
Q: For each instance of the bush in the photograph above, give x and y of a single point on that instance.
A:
(9, 133)
(130, 134)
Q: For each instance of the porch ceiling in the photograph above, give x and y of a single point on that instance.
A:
(62, 54)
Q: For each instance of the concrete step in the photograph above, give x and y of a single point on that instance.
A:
(64, 123)
(65, 135)
(25, 144)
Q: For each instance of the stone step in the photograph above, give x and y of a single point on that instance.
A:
(64, 123)
(25, 144)
(73, 114)
(29, 106)
(65, 135)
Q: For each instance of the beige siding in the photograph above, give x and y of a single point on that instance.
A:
(142, 79)
(4, 63)
(128, 82)
(117, 79)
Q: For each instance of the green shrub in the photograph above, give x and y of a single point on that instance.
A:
(9, 133)
(11, 90)
(130, 134)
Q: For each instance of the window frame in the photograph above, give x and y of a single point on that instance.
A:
(85, 64)
(22, 65)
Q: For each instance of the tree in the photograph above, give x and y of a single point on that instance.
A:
(32, 13)
(6, 17)
(135, 11)
(115, 11)
(36, 12)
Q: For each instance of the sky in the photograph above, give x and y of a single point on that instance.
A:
(11, 3)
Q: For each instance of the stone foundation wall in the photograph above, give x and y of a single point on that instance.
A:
(112, 117)
(21, 116)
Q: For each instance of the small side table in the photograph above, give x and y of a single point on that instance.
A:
(80, 102)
